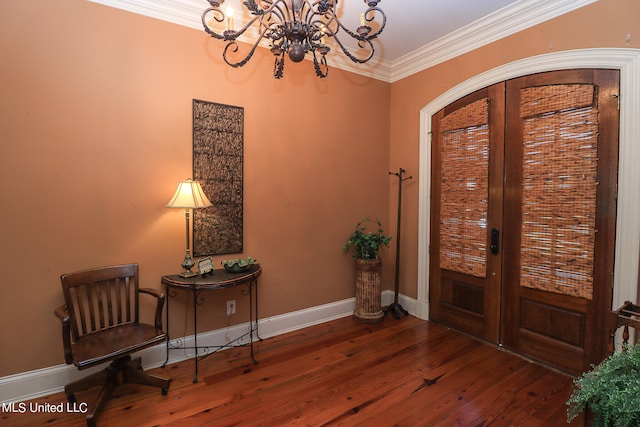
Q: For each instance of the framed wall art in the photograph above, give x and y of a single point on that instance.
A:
(218, 150)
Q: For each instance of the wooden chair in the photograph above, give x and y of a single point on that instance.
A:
(100, 323)
(628, 315)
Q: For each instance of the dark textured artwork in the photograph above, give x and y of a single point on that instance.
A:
(218, 140)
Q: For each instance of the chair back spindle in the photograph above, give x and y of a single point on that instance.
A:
(98, 300)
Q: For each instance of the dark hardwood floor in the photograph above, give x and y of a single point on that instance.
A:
(404, 372)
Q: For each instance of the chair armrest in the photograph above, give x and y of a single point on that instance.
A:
(62, 313)
(160, 297)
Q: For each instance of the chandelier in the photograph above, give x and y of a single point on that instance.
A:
(295, 28)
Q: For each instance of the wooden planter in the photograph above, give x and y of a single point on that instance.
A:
(368, 291)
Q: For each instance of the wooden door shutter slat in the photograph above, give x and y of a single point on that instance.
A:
(545, 99)
(465, 189)
(560, 134)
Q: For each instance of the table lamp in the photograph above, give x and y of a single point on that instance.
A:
(188, 195)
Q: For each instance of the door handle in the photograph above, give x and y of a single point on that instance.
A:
(495, 241)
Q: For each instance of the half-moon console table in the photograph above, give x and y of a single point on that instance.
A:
(218, 279)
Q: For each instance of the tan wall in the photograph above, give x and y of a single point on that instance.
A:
(95, 127)
(605, 23)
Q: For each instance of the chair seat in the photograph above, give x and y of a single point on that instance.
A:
(108, 344)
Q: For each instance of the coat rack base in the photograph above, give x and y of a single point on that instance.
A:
(396, 309)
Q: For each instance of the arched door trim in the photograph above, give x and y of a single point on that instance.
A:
(627, 252)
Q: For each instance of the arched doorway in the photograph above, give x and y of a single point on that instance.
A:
(627, 249)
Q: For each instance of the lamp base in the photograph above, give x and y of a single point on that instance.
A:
(187, 274)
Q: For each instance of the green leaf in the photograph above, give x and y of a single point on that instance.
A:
(611, 390)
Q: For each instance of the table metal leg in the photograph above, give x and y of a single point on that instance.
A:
(195, 332)
(255, 362)
(166, 360)
(257, 315)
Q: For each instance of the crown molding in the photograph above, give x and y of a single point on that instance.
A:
(504, 22)
(507, 21)
(182, 12)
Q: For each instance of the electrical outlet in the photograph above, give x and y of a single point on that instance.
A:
(231, 307)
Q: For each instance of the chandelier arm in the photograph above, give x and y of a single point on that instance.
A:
(233, 45)
(219, 16)
(278, 67)
(329, 20)
(265, 18)
(382, 25)
(283, 14)
(208, 30)
(308, 11)
(246, 27)
(323, 6)
(321, 67)
(322, 27)
(355, 35)
(361, 45)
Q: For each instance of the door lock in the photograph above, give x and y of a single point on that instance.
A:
(495, 241)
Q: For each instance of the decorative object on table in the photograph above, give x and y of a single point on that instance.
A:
(205, 266)
(395, 308)
(610, 391)
(366, 247)
(295, 28)
(238, 265)
(218, 139)
(188, 195)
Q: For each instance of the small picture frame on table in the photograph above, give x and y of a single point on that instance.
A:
(205, 266)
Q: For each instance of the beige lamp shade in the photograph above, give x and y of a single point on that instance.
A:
(189, 194)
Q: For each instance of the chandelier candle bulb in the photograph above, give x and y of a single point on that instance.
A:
(229, 17)
(362, 19)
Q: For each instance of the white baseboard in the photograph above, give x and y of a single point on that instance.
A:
(41, 382)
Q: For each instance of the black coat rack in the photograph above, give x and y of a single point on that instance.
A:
(396, 308)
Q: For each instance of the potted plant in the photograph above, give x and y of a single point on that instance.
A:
(366, 247)
(610, 390)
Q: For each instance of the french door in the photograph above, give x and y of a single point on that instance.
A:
(523, 204)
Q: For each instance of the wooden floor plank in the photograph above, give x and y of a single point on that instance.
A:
(404, 372)
(451, 388)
